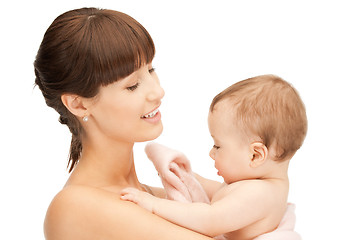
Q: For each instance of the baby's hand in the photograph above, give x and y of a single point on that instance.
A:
(143, 199)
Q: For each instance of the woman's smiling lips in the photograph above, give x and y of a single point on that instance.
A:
(153, 116)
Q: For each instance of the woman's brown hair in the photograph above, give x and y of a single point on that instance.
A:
(82, 50)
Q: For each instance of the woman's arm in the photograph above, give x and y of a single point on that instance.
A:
(80, 212)
(158, 192)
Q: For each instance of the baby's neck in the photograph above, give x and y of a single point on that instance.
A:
(273, 170)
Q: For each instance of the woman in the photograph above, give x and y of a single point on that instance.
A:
(94, 68)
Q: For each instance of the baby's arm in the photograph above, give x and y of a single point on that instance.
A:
(238, 208)
(177, 212)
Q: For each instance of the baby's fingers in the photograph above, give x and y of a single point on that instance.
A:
(138, 197)
(129, 197)
(130, 194)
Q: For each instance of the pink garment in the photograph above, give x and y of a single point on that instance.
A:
(285, 230)
(181, 185)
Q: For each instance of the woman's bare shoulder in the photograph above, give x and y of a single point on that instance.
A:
(73, 211)
(81, 212)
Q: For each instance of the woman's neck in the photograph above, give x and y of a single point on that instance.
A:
(106, 164)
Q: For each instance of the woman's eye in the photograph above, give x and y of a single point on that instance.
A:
(133, 87)
(216, 147)
(151, 70)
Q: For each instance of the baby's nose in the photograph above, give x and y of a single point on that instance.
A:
(212, 154)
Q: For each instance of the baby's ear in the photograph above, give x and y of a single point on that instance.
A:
(260, 153)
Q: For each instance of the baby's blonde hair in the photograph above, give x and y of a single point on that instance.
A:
(271, 109)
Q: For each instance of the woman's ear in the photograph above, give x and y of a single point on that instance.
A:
(260, 153)
(74, 104)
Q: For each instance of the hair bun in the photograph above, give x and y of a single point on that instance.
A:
(63, 120)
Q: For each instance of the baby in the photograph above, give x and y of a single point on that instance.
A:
(257, 125)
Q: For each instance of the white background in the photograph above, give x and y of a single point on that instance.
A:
(202, 47)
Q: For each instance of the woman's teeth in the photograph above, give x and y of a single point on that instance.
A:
(152, 114)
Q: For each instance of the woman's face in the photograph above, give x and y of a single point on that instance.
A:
(127, 110)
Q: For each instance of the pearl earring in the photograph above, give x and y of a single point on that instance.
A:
(85, 118)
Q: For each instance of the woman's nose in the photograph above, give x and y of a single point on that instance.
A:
(156, 92)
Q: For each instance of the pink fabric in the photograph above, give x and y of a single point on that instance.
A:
(285, 230)
(181, 185)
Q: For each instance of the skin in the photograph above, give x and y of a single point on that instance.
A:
(89, 206)
(251, 201)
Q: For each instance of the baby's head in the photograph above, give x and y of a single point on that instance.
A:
(263, 115)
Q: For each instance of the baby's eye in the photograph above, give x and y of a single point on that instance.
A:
(216, 147)
(151, 70)
(133, 87)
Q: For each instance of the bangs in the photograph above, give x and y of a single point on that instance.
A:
(115, 45)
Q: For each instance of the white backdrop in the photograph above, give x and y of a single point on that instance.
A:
(202, 47)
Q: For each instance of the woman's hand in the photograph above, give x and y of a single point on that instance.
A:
(143, 199)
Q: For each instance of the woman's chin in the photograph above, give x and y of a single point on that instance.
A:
(152, 135)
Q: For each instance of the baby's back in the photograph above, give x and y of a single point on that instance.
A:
(250, 232)
(269, 208)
